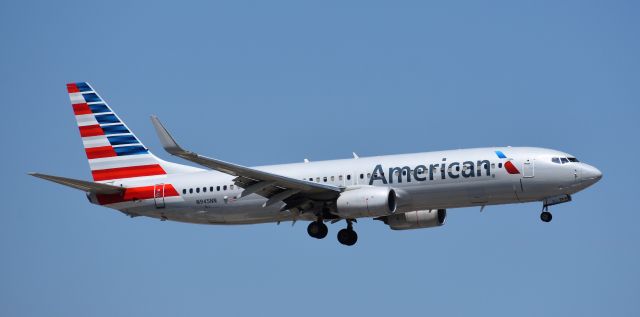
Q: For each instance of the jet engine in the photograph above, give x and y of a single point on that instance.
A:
(366, 202)
(415, 219)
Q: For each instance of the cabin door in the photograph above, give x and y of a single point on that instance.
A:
(158, 195)
(528, 168)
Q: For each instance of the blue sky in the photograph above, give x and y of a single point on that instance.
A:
(276, 82)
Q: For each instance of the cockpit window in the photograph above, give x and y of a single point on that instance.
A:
(573, 159)
(564, 160)
(556, 160)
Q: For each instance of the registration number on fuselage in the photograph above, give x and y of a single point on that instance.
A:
(206, 201)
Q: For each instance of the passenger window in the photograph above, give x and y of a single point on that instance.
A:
(190, 190)
(499, 165)
(361, 176)
(340, 177)
(231, 187)
(198, 190)
(564, 160)
(184, 191)
(317, 179)
(204, 189)
(349, 177)
(211, 189)
(368, 175)
(218, 188)
(458, 168)
(404, 172)
(324, 179)
(493, 165)
(311, 179)
(224, 187)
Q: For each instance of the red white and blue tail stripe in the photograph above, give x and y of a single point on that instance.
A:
(113, 151)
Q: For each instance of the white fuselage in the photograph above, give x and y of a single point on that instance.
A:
(430, 180)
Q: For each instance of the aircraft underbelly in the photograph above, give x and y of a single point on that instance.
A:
(460, 194)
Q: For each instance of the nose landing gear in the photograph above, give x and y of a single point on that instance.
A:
(546, 216)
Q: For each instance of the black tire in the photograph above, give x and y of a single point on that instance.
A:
(347, 237)
(323, 231)
(546, 216)
(317, 229)
(314, 229)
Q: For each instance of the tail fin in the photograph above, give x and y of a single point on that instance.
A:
(113, 151)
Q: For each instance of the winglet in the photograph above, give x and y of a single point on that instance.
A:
(171, 146)
(168, 142)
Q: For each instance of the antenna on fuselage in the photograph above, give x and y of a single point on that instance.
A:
(355, 156)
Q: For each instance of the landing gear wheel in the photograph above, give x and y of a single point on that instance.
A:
(323, 231)
(546, 216)
(347, 237)
(317, 229)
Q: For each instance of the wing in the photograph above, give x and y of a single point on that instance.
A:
(82, 185)
(276, 188)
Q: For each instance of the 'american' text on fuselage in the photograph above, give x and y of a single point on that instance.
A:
(421, 173)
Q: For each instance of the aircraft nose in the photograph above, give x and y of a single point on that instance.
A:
(591, 174)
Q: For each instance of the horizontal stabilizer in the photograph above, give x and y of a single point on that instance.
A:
(86, 186)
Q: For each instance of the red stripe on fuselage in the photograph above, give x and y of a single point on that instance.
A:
(100, 152)
(136, 193)
(91, 130)
(71, 88)
(511, 169)
(128, 172)
(81, 108)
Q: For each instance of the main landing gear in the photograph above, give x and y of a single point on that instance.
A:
(317, 229)
(347, 236)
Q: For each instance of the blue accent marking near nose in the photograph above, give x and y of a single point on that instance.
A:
(500, 154)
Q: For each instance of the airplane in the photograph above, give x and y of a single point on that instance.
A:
(406, 191)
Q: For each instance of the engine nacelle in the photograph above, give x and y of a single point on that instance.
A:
(367, 202)
(415, 219)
